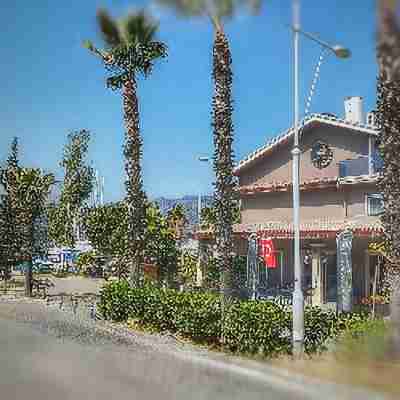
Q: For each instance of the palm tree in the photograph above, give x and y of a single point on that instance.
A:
(177, 220)
(388, 114)
(129, 51)
(224, 197)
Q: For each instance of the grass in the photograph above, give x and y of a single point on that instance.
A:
(362, 361)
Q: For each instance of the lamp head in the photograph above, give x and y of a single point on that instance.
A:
(341, 52)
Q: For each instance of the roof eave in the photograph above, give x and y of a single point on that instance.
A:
(281, 139)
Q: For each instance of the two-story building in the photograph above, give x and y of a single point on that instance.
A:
(338, 191)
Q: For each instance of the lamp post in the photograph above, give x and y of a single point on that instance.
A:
(298, 298)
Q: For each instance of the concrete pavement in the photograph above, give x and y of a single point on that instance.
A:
(43, 360)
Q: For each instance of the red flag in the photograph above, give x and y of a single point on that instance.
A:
(268, 253)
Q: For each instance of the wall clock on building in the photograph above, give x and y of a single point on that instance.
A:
(321, 155)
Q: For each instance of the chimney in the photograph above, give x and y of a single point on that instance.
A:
(353, 108)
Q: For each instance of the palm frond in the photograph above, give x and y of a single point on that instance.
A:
(186, 7)
(223, 8)
(215, 9)
(138, 27)
(254, 5)
(109, 28)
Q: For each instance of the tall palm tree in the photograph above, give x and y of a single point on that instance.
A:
(224, 198)
(129, 51)
(388, 114)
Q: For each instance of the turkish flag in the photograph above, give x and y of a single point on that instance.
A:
(268, 253)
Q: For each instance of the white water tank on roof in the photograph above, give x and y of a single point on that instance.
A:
(353, 107)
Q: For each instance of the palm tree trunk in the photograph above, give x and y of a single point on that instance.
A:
(135, 196)
(223, 166)
(388, 113)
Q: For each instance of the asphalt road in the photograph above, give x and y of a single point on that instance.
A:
(39, 363)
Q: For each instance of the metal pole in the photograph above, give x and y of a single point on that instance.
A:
(199, 208)
(298, 299)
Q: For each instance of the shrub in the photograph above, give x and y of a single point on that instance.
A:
(319, 326)
(117, 300)
(252, 327)
(258, 327)
(198, 315)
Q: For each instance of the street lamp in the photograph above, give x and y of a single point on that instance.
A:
(201, 159)
(298, 298)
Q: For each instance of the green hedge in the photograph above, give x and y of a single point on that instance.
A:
(258, 327)
(253, 327)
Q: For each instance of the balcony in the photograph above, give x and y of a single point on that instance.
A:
(360, 166)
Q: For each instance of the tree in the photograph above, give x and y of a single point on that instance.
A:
(217, 11)
(23, 211)
(208, 216)
(65, 216)
(130, 50)
(8, 233)
(107, 228)
(161, 244)
(176, 217)
(388, 116)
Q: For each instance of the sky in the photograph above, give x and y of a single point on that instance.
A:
(52, 85)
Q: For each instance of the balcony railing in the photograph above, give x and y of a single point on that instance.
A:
(360, 166)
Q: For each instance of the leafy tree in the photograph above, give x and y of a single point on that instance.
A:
(107, 230)
(130, 50)
(187, 267)
(218, 11)
(161, 244)
(24, 206)
(388, 116)
(65, 217)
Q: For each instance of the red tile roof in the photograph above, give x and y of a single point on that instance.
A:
(317, 183)
(318, 228)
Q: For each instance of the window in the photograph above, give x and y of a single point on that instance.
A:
(374, 204)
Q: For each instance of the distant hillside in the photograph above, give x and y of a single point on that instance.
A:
(189, 202)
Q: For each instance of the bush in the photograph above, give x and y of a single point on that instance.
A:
(258, 327)
(117, 301)
(198, 315)
(319, 326)
(252, 327)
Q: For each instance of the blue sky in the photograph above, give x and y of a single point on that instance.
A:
(51, 85)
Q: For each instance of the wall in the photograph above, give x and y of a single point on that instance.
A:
(278, 206)
(277, 166)
(356, 199)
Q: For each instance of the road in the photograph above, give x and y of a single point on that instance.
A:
(51, 360)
